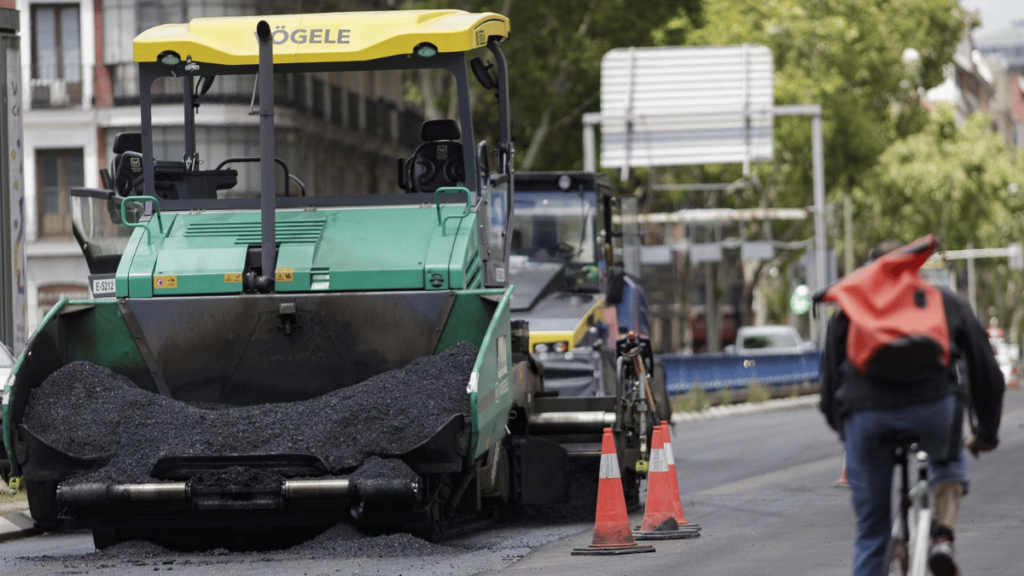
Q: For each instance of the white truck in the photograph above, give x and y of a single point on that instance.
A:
(773, 339)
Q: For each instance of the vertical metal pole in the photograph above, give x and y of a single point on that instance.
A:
(589, 147)
(848, 260)
(13, 275)
(746, 113)
(147, 74)
(190, 121)
(820, 244)
(711, 339)
(268, 181)
(9, 215)
(624, 172)
(972, 281)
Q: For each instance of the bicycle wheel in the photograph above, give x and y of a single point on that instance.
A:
(897, 560)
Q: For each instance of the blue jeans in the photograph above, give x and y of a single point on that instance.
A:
(870, 465)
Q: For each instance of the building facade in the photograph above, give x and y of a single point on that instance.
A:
(968, 84)
(1007, 44)
(337, 136)
(1005, 48)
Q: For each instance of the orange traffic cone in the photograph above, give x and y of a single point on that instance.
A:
(678, 513)
(660, 521)
(611, 527)
(842, 482)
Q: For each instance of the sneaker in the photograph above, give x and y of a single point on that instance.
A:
(941, 559)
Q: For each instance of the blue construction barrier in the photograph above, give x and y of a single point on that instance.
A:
(718, 371)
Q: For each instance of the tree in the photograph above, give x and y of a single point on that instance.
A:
(554, 57)
(847, 56)
(959, 182)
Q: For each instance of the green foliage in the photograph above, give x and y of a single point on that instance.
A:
(758, 393)
(953, 179)
(846, 56)
(554, 56)
(950, 179)
(724, 397)
(693, 401)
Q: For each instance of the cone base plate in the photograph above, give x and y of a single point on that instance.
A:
(840, 484)
(681, 534)
(594, 551)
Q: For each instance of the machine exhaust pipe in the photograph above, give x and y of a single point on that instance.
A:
(268, 183)
(568, 422)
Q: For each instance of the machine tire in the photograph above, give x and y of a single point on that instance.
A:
(660, 390)
(42, 503)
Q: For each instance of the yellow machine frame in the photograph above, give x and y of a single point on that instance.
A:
(335, 37)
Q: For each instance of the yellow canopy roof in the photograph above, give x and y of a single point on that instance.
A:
(333, 37)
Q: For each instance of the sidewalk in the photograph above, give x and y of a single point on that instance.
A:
(16, 521)
(777, 405)
(16, 525)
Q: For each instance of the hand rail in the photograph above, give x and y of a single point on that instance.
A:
(451, 190)
(143, 225)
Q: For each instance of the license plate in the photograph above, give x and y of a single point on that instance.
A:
(103, 287)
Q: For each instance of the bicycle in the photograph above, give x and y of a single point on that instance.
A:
(906, 554)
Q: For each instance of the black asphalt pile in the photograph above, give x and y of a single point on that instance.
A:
(91, 412)
(237, 476)
(340, 541)
(374, 468)
(345, 541)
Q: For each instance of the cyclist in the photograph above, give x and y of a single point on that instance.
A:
(867, 412)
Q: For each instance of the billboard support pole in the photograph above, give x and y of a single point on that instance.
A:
(13, 304)
(818, 193)
(590, 119)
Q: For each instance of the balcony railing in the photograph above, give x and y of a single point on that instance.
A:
(55, 86)
(369, 116)
(125, 83)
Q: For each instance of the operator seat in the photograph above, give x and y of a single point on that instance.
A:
(438, 161)
(127, 163)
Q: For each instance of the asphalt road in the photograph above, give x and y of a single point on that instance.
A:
(760, 485)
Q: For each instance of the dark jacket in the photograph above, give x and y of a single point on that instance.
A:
(844, 390)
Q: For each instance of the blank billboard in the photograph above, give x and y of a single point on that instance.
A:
(686, 106)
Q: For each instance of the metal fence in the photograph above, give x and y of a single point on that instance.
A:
(371, 116)
(728, 371)
(57, 86)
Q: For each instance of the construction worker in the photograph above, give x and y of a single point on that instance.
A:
(868, 411)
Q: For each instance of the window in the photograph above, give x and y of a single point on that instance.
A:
(318, 98)
(56, 55)
(56, 172)
(770, 341)
(50, 294)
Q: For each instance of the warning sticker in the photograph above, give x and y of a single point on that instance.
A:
(165, 282)
(232, 278)
(284, 275)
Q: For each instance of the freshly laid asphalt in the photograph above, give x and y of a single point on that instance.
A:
(760, 485)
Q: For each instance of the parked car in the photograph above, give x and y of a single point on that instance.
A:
(773, 339)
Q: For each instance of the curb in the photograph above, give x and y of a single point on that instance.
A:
(777, 405)
(16, 525)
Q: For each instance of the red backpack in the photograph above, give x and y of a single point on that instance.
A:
(898, 330)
